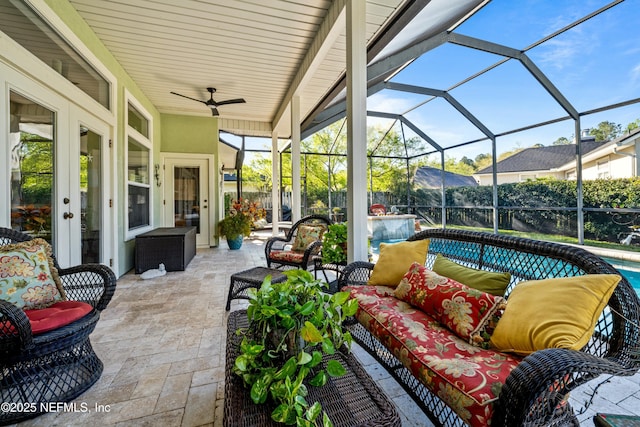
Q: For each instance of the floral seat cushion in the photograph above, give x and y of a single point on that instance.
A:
(466, 377)
(286, 256)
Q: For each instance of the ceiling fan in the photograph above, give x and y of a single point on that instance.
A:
(211, 103)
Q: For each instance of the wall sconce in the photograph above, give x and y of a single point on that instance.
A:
(157, 174)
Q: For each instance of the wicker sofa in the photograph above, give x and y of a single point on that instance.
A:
(57, 365)
(521, 390)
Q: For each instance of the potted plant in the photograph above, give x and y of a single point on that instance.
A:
(236, 225)
(334, 244)
(239, 220)
(291, 325)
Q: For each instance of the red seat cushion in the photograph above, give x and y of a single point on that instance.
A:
(287, 256)
(467, 378)
(57, 315)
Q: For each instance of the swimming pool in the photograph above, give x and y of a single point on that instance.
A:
(629, 269)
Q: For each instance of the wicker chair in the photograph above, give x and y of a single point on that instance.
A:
(533, 393)
(280, 251)
(54, 366)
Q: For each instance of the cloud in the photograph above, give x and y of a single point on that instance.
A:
(396, 104)
(565, 51)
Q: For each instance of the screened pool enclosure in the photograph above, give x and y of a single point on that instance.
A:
(524, 116)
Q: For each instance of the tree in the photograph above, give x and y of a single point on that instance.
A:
(561, 141)
(483, 160)
(389, 167)
(633, 125)
(606, 131)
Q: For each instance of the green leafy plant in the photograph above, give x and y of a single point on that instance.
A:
(334, 244)
(235, 225)
(291, 325)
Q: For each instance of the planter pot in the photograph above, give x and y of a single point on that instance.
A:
(235, 243)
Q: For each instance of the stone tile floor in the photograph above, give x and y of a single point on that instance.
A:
(162, 342)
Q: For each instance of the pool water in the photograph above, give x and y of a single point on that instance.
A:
(629, 269)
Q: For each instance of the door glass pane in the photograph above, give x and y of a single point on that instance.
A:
(186, 187)
(31, 137)
(138, 185)
(90, 194)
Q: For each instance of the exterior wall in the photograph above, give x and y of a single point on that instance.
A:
(189, 134)
(201, 133)
(506, 178)
(66, 12)
(619, 165)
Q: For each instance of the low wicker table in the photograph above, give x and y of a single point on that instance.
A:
(251, 278)
(350, 400)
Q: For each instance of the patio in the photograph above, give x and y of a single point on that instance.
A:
(162, 342)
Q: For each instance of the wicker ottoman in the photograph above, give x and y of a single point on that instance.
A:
(251, 278)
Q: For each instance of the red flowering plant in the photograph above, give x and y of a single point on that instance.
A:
(249, 208)
(240, 218)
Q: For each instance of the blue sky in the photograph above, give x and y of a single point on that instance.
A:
(594, 65)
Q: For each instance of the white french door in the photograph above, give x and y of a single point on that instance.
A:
(57, 184)
(89, 190)
(186, 195)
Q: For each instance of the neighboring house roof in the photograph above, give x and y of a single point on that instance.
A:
(428, 177)
(542, 158)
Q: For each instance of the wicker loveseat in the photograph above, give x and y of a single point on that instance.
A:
(41, 365)
(500, 389)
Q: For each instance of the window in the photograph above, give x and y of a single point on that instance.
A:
(138, 170)
(527, 177)
(602, 166)
(27, 28)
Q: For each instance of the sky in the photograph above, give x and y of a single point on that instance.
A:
(594, 65)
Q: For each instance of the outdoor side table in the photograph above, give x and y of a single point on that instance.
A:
(350, 400)
(251, 278)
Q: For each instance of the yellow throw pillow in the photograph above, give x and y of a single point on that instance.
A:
(395, 259)
(553, 313)
(491, 282)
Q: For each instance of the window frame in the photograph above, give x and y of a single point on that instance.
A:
(147, 143)
(603, 168)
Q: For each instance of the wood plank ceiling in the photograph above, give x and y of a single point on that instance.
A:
(249, 49)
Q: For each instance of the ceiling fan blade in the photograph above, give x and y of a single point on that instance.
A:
(188, 97)
(214, 111)
(231, 101)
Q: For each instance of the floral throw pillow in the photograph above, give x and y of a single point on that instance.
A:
(28, 277)
(469, 313)
(307, 234)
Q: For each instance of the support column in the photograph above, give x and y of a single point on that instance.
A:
(494, 159)
(275, 185)
(296, 207)
(443, 190)
(580, 201)
(357, 130)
